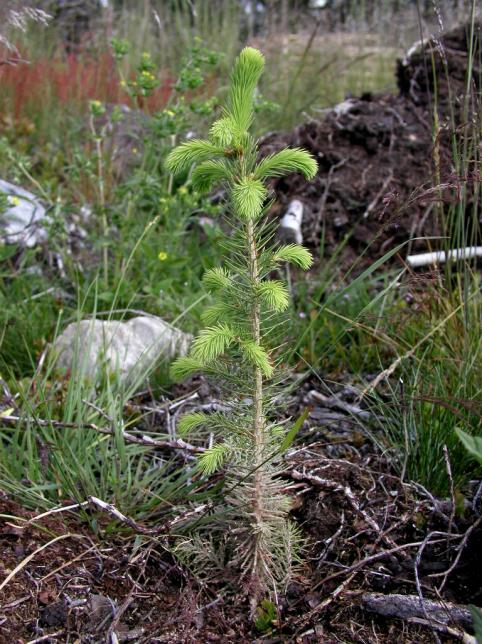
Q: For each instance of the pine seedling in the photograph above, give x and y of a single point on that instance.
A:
(236, 345)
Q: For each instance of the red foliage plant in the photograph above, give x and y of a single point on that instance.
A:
(68, 80)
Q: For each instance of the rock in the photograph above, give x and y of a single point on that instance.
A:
(23, 222)
(128, 349)
(102, 611)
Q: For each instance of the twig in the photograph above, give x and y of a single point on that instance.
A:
(129, 438)
(386, 373)
(346, 490)
(476, 498)
(416, 565)
(68, 563)
(111, 634)
(332, 402)
(452, 488)
(13, 60)
(31, 556)
(15, 603)
(63, 508)
(328, 600)
(100, 411)
(460, 549)
(45, 638)
(331, 541)
(329, 178)
(117, 514)
(447, 630)
(359, 565)
(373, 204)
(113, 511)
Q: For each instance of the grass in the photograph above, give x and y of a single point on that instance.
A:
(54, 86)
(43, 466)
(158, 249)
(438, 389)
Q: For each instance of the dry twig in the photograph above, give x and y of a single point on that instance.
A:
(129, 438)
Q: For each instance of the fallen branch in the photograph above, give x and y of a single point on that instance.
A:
(119, 516)
(129, 438)
(332, 402)
(410, 606)
(164, 528)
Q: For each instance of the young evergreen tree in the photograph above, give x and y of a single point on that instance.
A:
(236, 345)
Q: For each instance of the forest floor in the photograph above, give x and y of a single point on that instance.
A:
(386, 560)
(371, 536)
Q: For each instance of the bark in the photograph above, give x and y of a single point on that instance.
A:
(411, 606)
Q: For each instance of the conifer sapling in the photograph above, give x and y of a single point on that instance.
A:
(236, 345)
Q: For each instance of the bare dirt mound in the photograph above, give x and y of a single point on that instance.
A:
(435, 71)
(379, 158)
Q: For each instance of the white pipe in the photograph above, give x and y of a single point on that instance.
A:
(290, 224)
(440, 256)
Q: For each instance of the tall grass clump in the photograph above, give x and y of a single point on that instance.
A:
(236, 347)
(438, 391)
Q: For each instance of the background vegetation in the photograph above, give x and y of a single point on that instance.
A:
(150, 238)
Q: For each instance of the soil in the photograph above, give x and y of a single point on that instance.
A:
(378, 158)
(368, 531)
(69, 583)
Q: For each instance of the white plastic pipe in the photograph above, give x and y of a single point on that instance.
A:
(440, 256)
(291, 222)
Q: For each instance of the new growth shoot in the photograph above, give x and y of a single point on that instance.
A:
(236, 347)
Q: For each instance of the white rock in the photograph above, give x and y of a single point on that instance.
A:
(127, 349)
(23, 222)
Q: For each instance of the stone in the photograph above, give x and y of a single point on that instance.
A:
(23, 222)
(126, 349)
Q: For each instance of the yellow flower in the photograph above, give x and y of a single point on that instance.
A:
(96, 108)
(162, 256)
(123, 84)
(182, 190)
(14, 201)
